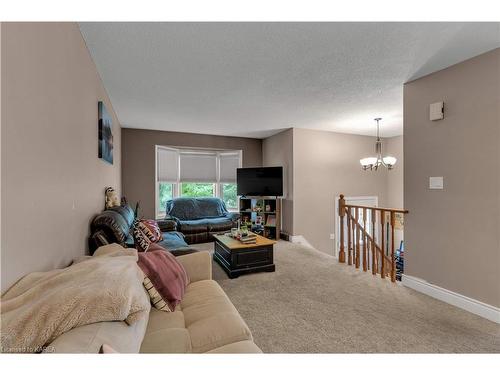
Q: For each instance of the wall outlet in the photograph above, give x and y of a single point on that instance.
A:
(332, 236)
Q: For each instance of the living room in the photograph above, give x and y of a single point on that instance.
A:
(250, 187)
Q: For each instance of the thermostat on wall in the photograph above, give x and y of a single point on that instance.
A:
(436, 111)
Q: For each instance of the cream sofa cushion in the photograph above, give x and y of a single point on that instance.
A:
(162, 319)
(197, 265)
(166, 333)
(167, 340)
(246, 346)
(89, 338)
(217, 330)
(211, 318)
(204, 299)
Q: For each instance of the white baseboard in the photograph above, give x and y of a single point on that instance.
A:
(301, 240)
(469, 304)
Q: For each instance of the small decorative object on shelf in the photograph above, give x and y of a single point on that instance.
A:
(111, 198)
(271, 221)
(262, 215)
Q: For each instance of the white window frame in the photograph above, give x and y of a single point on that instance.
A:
(176, 188)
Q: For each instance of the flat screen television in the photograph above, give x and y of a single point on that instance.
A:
(267, 181)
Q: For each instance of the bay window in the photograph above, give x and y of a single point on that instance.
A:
(195, 173)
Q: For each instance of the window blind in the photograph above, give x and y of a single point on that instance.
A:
(198, 167)
(228, 164)
(167, 164)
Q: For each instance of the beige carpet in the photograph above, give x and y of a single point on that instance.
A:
(313, 304)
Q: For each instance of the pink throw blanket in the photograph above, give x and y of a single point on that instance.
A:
(167, 275)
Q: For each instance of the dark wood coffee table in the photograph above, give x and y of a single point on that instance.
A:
(237, 258)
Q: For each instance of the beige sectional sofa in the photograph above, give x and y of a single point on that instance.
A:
(205, 322)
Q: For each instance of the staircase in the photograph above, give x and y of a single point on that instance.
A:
(369, 246)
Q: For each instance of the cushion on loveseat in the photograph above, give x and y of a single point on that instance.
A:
(166, 333)
(193, 226)
(126, 211)
(196, 208)
(211, 318)
(199, 218)
(205, 320)
(220, 227)
(240, 347)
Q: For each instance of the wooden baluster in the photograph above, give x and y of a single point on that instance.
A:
(374, 249)
(341, 214)
(393, 259)
(349, 239)
(357, 237)
(382, 262)
(365, 238)
(353, 225)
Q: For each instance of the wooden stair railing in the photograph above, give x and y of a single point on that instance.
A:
(382, 262)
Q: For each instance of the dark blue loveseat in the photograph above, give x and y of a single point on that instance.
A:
(198, 219)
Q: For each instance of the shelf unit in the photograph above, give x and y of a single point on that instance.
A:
(269, 211)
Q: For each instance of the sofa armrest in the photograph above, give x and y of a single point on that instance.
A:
(167, 225)
(197, 265)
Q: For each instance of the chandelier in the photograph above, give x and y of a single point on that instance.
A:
(374, 162)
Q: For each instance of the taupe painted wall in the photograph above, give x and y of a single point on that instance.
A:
(452, 235)
(277, 150)
(138, 159)
(395, 191)
(52, 179)
(326, 164)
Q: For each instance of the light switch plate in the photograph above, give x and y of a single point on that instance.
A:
(436, 183)
(436, 111)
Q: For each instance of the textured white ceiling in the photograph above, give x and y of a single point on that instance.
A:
(254, 79)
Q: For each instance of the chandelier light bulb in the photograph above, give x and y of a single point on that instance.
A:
(390, 161)
(366, 162)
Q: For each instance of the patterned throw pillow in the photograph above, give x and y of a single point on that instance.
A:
(154, 230)
(142, 236)
(146, 232)
(156, 300)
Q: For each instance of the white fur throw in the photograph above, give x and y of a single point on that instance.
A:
(43, 305)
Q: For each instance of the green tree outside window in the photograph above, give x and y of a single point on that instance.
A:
(197, 190)
(164, 194)
(229, 195)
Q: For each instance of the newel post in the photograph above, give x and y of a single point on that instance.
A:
(341, 215)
